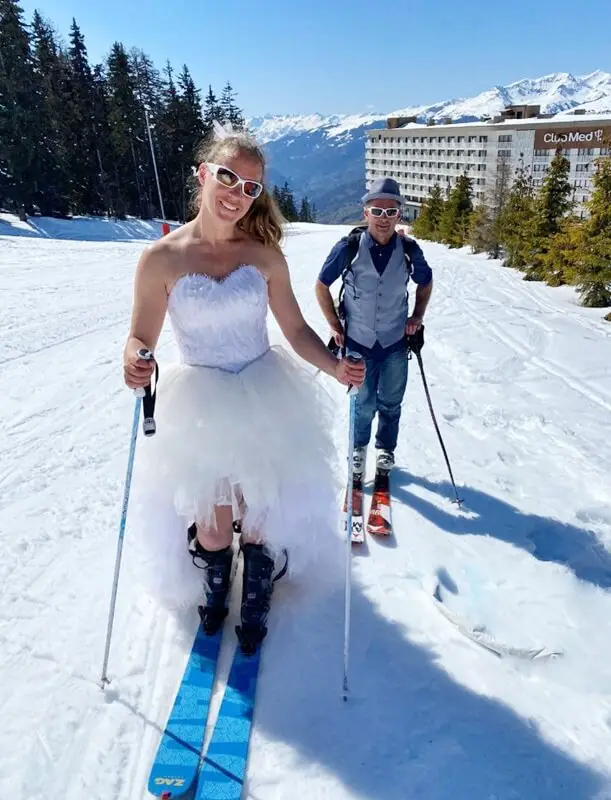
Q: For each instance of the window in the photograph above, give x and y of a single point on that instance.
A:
(541, 152)
(506, 137)
(582, 167)
(504, 153)
(483, 138)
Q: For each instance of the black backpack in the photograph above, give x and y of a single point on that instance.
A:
(353, 239)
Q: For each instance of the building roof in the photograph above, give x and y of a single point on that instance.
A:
(557, 119)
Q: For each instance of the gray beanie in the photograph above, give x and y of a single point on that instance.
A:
(383, 189)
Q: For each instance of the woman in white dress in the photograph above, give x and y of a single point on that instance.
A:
(243, 430)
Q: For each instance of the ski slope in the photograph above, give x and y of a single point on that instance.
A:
(520, 379)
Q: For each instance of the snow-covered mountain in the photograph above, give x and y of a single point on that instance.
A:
(323, 156)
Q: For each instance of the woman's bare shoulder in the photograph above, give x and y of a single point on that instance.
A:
(162, 255)
(267, 258)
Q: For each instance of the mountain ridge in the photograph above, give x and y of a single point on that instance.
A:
(323, 156)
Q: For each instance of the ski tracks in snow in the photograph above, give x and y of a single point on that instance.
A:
(522, 395)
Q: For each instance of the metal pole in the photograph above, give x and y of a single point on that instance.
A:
(148, 127)
(113, 598)
(353, 393)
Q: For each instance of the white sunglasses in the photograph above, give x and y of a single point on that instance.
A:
(384, 212)
(228, 178)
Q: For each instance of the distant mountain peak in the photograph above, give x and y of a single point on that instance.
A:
(323, 157)
(555, 92)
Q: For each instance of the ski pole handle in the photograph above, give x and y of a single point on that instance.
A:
(353, 360)
(148, 399)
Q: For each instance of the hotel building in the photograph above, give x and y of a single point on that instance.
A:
(419, 156)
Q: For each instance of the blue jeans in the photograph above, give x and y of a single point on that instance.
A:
(382, 391)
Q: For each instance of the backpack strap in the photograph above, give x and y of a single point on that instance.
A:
(352, 239)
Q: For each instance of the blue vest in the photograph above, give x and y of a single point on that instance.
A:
(376, 305)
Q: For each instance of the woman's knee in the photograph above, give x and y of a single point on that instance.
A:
(219, 535)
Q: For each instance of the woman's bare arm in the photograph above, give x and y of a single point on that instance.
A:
(302, 338)
(148, 313)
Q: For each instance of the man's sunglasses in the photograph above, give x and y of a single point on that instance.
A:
(384, 212)
(227, 177)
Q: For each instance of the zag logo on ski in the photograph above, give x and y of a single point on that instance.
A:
(379, 520)
(176, 764)
(357, 531)
(224, 770)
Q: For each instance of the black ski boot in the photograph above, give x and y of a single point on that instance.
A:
(257, 587)
(217, 564)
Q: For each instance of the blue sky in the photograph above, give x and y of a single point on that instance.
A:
(342, 56)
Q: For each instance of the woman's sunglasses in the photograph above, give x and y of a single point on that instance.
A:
(227, 177)
(383, 212)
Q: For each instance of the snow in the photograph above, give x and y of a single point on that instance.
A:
(520, 379)
(272, 127)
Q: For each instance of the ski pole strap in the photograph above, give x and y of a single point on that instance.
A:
(284, 569)
(149, 426)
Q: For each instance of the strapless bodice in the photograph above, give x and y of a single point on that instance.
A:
(220, 323)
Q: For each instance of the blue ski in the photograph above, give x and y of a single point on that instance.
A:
(178, 756)
(224, 769)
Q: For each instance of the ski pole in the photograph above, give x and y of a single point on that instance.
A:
(352, 391)
(415, 343)
(144, 398)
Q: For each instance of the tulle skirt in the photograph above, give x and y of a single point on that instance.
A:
(259, 441)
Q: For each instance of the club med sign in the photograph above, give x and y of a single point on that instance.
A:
(547, 138)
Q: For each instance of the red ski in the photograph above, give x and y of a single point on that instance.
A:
(379, 521)
(358, 535)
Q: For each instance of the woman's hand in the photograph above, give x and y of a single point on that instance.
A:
(350, 372)
(137, 371)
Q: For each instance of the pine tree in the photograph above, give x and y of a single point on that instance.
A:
(594, 273)
(51, 72)
(426, 225)
(20, 111)
(497, 202)
(104, 156)
(149, 89)
(230, 112)
(563, 256)
(454, 221)
(515, 221)
(286, 202)
(552, 204)
(126, 119)
(484, 226)
(212, 111)
(86, 187)
(481, 230)
(305, 212)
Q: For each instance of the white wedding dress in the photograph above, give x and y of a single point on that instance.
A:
(235, 418)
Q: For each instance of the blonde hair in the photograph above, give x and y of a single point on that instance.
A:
(263, 220)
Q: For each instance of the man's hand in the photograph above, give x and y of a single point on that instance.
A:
(413, 323)
(337, 332)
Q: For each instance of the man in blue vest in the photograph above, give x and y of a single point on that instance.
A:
(375, 315)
